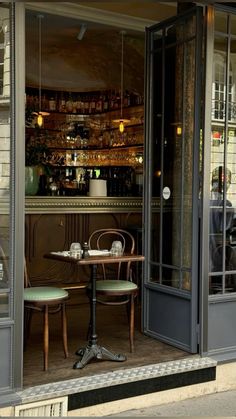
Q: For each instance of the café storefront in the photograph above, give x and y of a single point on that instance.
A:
(186, 212)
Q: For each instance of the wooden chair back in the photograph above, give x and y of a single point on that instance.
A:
(26, 276)
(4, 260)
(102, 239)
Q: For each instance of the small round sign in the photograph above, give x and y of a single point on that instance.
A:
(166, 192)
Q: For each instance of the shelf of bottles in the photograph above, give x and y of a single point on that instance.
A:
(89, 158)
(81, 103)
(75, 181)
(80, 140)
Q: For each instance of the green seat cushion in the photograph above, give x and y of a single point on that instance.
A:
(115, 285)
(44, 293)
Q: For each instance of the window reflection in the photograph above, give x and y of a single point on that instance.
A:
(222, 231)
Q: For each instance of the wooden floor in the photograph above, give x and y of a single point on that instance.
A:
(112, 330)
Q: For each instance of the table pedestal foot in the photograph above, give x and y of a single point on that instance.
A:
(96, 351)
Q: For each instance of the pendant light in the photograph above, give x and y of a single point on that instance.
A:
(122, 121)
(40, 114)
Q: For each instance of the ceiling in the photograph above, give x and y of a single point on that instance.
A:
(94, 62)
(149, 9)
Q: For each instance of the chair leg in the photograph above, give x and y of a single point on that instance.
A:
(131, 324)
(27, 325)
(46, 338)
(64, 330)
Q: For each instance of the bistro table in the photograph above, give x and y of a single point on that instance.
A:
(93, 350)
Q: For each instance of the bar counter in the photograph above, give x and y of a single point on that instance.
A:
(53, 223)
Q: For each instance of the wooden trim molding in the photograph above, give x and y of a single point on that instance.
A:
(53, 205)
(77, 11)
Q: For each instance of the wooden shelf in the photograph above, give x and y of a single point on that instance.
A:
(121, 147)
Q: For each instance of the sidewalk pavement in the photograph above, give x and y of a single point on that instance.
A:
(221, 404)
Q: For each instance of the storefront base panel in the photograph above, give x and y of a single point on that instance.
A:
(139, 388)
(92, 393)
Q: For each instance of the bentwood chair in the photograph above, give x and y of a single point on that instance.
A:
(115, 286)
(46, 300)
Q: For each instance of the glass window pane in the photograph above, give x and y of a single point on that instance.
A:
(155, 236)
(222, 237)
(216, 236)
(230, 283)
(186, 281)
(171, 277)
(154, 275)
(221, 22)
(4, 156)
(4, 305)
(233, 24)
(187, 138)
(215, 284)
(172, 156)
(222, 284)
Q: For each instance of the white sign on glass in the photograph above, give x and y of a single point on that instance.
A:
(166, 192)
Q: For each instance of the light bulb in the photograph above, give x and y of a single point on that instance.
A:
(121, 127)
(179, 130)
(40, 120)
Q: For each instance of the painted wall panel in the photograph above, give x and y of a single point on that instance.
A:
(5, 357)
(167, 322)
(222, 325)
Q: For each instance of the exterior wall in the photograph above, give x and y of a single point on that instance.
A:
(6, 327)
(4, 112)
(5, 123)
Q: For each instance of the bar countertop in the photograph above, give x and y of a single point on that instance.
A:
(81, 204)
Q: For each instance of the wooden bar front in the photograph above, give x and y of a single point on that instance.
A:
(53, 223)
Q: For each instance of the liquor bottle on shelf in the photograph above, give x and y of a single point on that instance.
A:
(105, 102)
(52, 104)
(99, 104)
(93, 105)
(62, 104)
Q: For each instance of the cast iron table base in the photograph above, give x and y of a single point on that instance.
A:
(95, 351)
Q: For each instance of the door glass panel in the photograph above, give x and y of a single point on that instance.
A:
(186, 281)
(156, 144)
(173, 68)
(171, 277)
(233, 24)
(188, 133)
(155, 274)
(5, 146)
(4, 305)
(222, 238)
(221, 22)
(172, 152)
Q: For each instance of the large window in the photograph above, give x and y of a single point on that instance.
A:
(222, 238)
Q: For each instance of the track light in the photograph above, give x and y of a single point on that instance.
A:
(82, 32)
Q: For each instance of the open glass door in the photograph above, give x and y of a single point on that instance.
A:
(171, 218)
